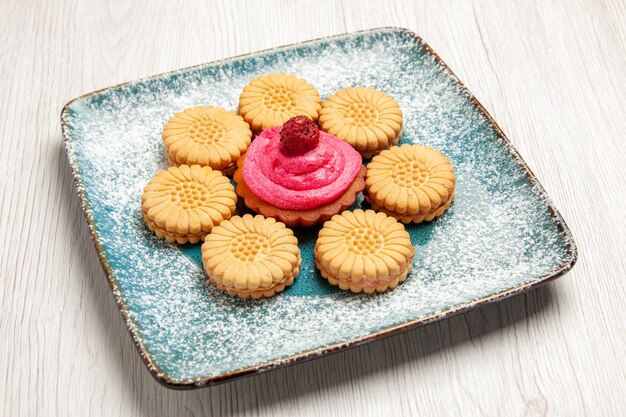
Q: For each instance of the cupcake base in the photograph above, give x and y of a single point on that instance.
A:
(298, 218)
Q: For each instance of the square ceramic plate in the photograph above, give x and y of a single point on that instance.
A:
(502, 235)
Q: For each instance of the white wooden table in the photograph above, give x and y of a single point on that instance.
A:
(552, 73)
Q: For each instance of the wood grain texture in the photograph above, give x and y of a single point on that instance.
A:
(550, 72)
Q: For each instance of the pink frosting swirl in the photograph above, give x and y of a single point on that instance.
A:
(299, 182)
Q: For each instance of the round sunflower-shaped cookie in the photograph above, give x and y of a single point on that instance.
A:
(207, 136)
(364, 251)
(367, 119)
(412, 183)
(251, 256)
(270, 100)
(182, 204)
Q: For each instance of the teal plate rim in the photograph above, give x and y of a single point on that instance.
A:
(190, 383)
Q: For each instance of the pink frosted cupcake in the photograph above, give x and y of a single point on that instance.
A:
(299, 175)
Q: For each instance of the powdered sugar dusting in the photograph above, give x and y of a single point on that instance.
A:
(499, 233)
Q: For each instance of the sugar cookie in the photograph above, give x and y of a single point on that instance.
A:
(412, 183)
(272, 99)
(251, 256)
(364, 251)
(182, 204)
(207, 136)
(367, 119)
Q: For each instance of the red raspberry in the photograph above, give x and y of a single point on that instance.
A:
(299, 135)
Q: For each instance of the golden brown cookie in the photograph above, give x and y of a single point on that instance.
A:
(270, 100)
(207, 136)
(367, 119)
(298, 218)
(251, 256)
(182, 204)
(410, 182)
(364, 251)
